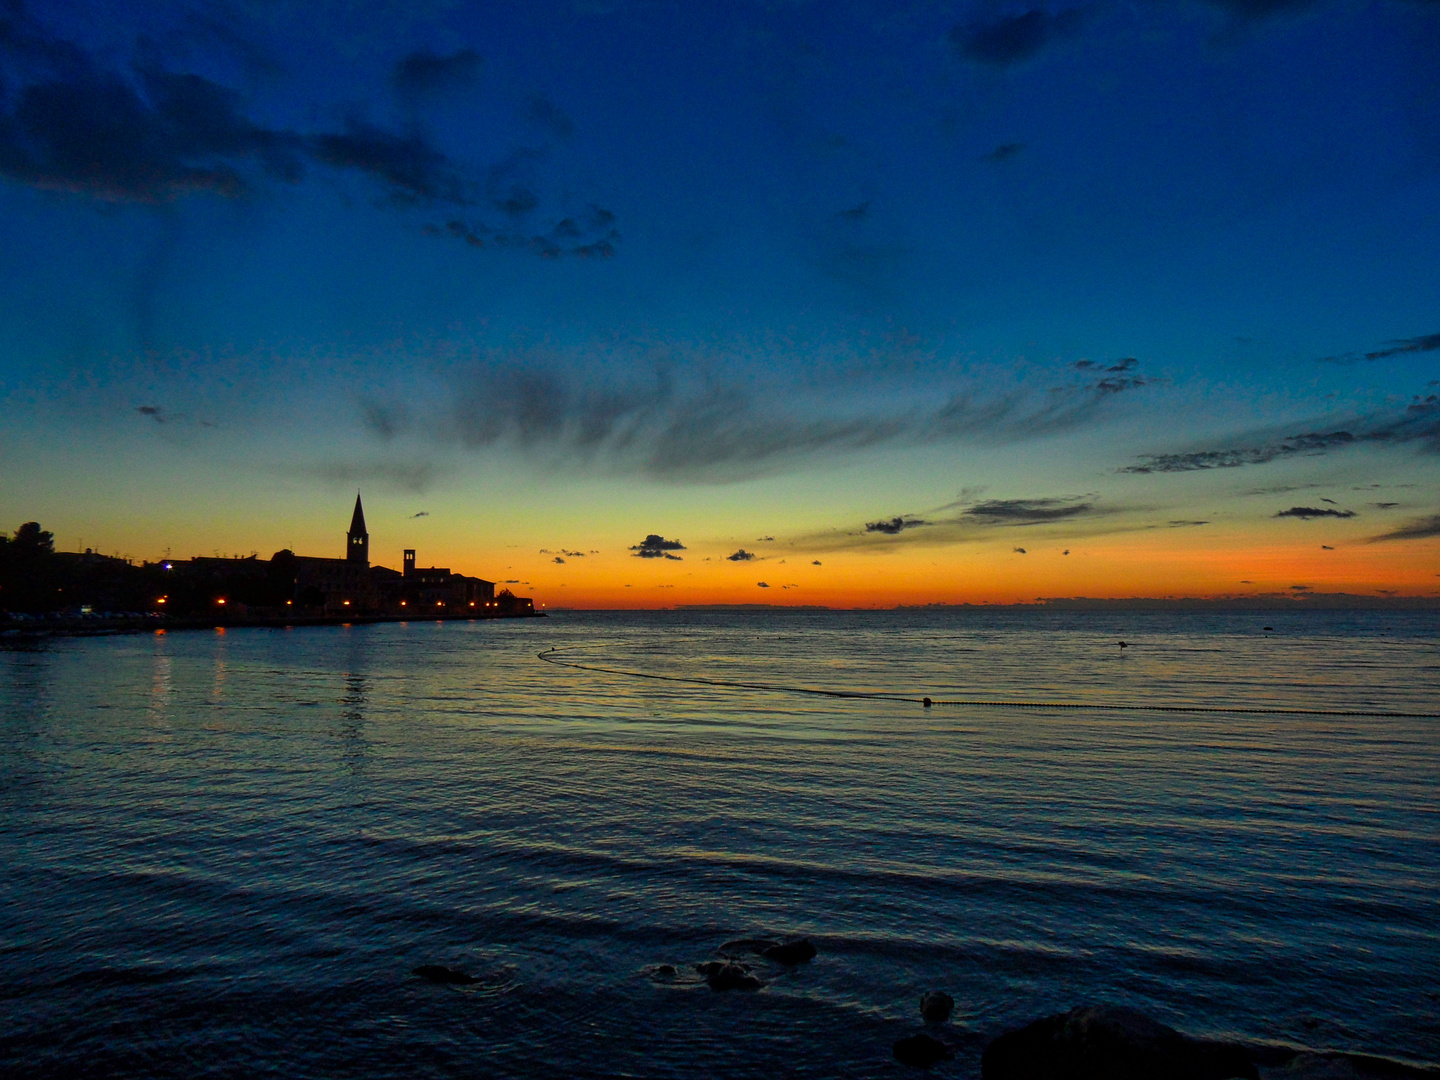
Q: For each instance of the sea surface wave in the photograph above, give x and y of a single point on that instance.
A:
(225, 852)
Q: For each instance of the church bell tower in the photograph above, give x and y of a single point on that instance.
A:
(357, 540)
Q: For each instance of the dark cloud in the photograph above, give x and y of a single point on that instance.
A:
(1260, 9)
(1009, 39)
(855, 213)
(154, 412)
(1026, 511)
(765, 540)
(1326, 547)
(149, 139)
(1428, 343)
(1003, 152)
(1020, 551)
(424, 73)
(546, 115)
(558, 559)
(1115, 377)
(1332, 502)
(1186, 524)
(742, 556)
(412, 169)
(1416, 529)
(761, 585)
(1300, 588)
(894, 526)
(1384, 505)
(588, 235)
(1400, 347)
(816, 563)
(420, 514)
(656, 546)
(1305, 513)
(1418, 423)
(149, 135)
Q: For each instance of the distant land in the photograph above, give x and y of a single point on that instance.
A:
(1308, 601)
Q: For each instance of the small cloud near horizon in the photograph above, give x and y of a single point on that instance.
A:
(655, 546)
(1306, 513)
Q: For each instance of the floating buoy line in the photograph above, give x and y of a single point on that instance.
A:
(550, 657)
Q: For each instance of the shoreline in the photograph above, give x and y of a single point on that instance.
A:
(96, 627)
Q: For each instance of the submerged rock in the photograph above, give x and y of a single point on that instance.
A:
(791, 952)
(437, 974)
(936, 1007)
(728, 976)
(921, 1051)
(1092, 1043)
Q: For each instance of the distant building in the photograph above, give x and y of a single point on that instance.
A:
(348, 585)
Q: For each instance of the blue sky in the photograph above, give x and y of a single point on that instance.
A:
(568, 274)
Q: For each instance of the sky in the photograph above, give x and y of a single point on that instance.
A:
(631, 303)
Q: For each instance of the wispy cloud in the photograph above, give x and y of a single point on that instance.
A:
(1003, 40)
(1416, 529)
(1417, 423)
(413, 477)
(702, 418)
(1399, 347)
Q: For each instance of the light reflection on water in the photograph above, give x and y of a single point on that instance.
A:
(227, 853)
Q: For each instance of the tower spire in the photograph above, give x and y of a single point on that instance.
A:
(357, 540)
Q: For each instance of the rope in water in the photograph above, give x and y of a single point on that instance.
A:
(548, 656)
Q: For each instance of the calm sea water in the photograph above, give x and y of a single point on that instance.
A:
(223, 853)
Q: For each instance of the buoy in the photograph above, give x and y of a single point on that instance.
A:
(927, 702)
(1122, 645)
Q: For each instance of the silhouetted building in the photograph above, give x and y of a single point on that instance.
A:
(357, 540)
(422, 589)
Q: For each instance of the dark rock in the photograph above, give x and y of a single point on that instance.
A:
(921, 1051)
(665, 969)
(791, 953)
(437, 974)
(936, 1007)
(728, 976)
(1099, 1043)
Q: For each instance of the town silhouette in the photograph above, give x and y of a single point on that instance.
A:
(39, 583)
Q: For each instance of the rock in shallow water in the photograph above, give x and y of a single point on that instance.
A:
(921, 1051)
(791, 952)
(437, 974)
(936, 1007)
(728, 976)
(1099, 1043)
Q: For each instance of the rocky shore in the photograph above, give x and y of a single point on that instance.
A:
(1090, 1042)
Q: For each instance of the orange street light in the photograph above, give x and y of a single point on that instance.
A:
(220, 599)
(347, 603)
(161, 600)
(289, 602)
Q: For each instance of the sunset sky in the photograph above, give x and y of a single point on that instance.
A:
(635, 303)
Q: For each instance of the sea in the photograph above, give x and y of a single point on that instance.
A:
(225, 852)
